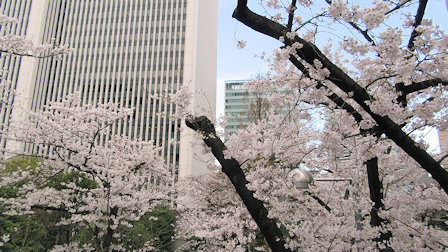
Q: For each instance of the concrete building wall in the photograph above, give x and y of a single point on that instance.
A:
(33, 18)
(200, 75)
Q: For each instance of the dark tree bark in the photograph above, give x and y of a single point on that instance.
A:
(110, 232)
(418, 20)
(376, 196)
(232, 169)
(310, 52)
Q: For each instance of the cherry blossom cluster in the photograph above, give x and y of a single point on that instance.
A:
(406, 81)
(128, 177)
(213, 218)
(22, 46)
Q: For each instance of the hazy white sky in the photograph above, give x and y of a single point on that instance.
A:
(240, 64)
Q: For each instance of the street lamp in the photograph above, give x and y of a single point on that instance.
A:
(300, 179)
(303, 179)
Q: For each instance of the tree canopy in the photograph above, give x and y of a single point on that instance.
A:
(97, 181)
(383, 80)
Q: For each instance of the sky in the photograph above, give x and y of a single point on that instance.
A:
(234, 63)
(241, 64)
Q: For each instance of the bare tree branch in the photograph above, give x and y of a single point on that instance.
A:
(415, 87)
(319, 200)
(13, 53)
(398, 6)
(354, 25)
(442, 158)
(292, 8)
(59, 209)
(309, 21)
(110, 231)
(376, 196)
(363, 32)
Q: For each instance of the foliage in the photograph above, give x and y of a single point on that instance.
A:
(156, 226)
(375, 89)
(97, 187)
(37, 232)
(11, 166)
(41, 232)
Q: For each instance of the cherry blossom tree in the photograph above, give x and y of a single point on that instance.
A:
(330, 215)
(127, 177)
(375, 89)
(13, 45)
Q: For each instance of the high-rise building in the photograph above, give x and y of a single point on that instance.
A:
(126, 51)
(236, 105)
(10, 64)
(246, 106)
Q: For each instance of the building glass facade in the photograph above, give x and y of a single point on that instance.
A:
(245, 106)
(236, 105)
(20, 10)
(127, 52)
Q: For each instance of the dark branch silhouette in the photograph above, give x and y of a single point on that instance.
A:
(376, 196)
(418, 20)
(309, 52)
(232, 169)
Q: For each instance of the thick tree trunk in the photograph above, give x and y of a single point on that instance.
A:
(232, 169)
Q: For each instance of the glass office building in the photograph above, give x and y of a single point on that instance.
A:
(127, 52)
(10, 64)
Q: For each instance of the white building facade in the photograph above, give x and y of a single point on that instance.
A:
(127, 52)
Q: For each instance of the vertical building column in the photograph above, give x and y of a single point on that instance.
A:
(28, 70)
(199, 75)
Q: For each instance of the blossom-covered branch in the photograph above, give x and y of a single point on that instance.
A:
(310, 53)
(236, 175)
(11, 44)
